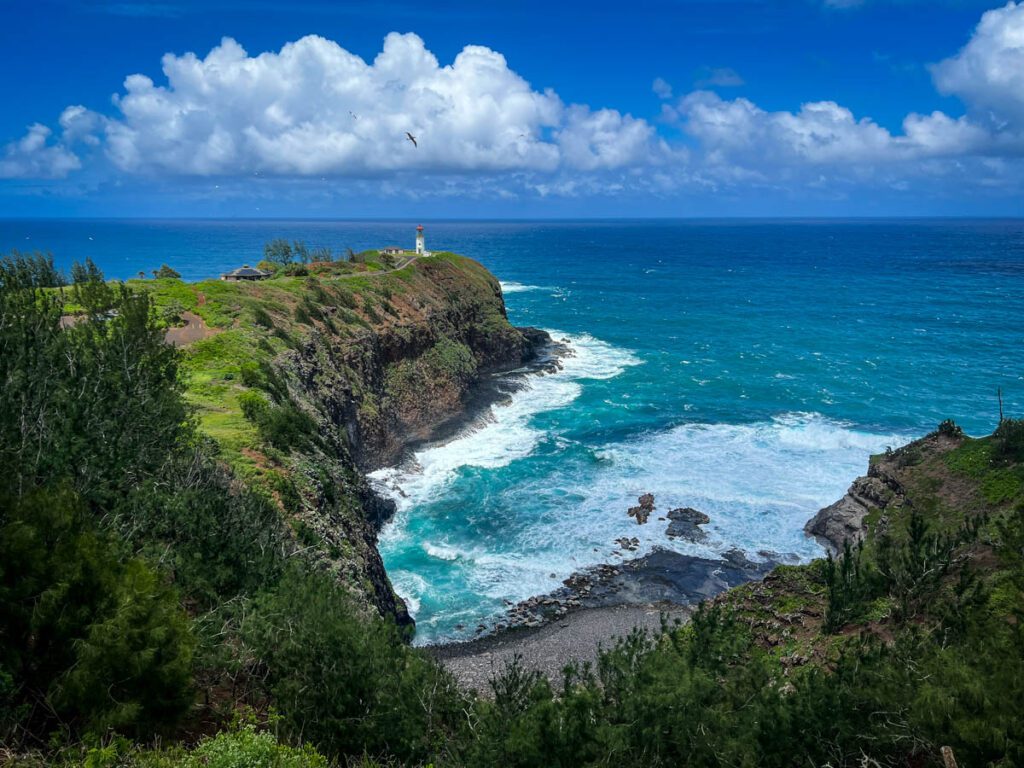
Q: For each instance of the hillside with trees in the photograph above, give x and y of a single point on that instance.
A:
(187, 572)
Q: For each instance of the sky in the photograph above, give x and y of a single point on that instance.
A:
(660, 108)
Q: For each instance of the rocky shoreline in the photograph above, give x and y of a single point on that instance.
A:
(600, 603)
(596, 606)
(592, 609)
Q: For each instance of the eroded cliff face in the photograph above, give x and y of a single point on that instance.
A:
(394, 383)
(390, 386)
(307, 382)
(884, 492)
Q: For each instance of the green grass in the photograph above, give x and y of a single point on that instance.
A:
(999, 484)
(256, 321)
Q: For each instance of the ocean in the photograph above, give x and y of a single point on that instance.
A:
(745, 368)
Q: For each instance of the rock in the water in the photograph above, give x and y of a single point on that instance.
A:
(643, 511)
(684, 524)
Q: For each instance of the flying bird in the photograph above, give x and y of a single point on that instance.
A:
(354, 115)
(411, 138)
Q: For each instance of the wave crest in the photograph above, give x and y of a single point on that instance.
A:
(505, 433)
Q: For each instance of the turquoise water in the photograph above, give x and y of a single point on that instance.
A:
(745, 368)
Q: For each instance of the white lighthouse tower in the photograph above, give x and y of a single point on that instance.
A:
(420, 247)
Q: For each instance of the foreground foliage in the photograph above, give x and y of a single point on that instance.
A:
(145, 593)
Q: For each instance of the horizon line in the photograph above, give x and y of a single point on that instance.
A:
(390, 219)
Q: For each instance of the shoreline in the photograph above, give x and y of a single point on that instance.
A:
(593, 609)
(577, 637)
(599, 604)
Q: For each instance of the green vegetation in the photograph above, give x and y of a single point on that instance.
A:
(166, 272)
(181, 582)
(281, 253)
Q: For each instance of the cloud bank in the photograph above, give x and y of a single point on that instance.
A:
(740, 140)
(315, 110)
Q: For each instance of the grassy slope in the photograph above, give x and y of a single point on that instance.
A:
(306, 348)
(254, 322)
(949, 481)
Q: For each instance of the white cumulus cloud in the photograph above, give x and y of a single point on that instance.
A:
(315, 108)
(35, 156)
(988, 73)
(315, 111)
(740, 140)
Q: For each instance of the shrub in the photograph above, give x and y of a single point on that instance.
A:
(949, 428)
(1008, 440)
(262, 318)
(171, 314)
(345, 680)
(253, 405)
(91, 643)
(166, 271)
(246, 747)
(849, 584)
(283, 426)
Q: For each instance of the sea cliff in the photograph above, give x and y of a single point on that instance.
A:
(306, 381)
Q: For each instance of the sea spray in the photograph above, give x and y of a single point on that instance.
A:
(758, 482)
(504, 433)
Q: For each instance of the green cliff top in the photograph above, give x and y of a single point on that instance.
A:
(233, 330)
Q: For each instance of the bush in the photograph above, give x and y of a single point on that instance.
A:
(245, 747)
(849, 584)
(302, 315)
(284, 426)
(1008, 440)
(253, 405)
(166, 271)
(345, 680)
(949, 428)
(262, 318)
(91, 643)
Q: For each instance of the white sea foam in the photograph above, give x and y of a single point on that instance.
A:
(441, 551)
(411, 587)
(505, 432)
(514, 287)
(758, 482)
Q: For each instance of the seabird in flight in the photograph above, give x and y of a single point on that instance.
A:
(411, 138)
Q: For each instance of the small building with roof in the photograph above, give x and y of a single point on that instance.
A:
(392, 250)
(245, 272)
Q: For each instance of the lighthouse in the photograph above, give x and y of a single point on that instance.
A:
(420, 249)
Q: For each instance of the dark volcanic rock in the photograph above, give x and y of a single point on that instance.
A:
(643, 511)
(684, 524)
(662, 576)
(666, 576)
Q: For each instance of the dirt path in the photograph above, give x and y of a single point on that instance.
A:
(195, 329)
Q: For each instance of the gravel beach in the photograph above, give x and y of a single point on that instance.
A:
(575, 637)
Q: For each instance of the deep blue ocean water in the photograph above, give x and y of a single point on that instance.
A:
(745, 368)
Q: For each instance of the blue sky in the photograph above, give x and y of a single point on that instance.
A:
(230, 108)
